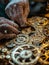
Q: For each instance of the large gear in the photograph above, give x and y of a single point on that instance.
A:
(25, 55)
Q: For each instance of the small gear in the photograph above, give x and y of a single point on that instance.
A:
(37, 39)
(22, 39)
(10, 44)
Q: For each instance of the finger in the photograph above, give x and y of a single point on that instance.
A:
(9, 36)
(20, 18)
(10, 10)
(26, 9)
(4, 28)
(1, 36)
(15, 12)
(6, 21)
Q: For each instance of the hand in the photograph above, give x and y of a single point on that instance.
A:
(18, 11)
(8, 29)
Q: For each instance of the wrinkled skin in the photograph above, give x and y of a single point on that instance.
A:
(8, 29)
(18, 11)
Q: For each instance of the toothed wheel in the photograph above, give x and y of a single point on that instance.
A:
(46, 41)
(45, 54)
(10, 44)
(37, 38)
(46, 30)
(22, 39)
(25, 55)
(28, 30)
(37, 21)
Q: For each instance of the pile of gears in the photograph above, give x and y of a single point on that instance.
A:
(31, 45)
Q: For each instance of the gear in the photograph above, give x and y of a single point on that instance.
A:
(25, 55)
(22, 39)
(46, 30)
(44, 58)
